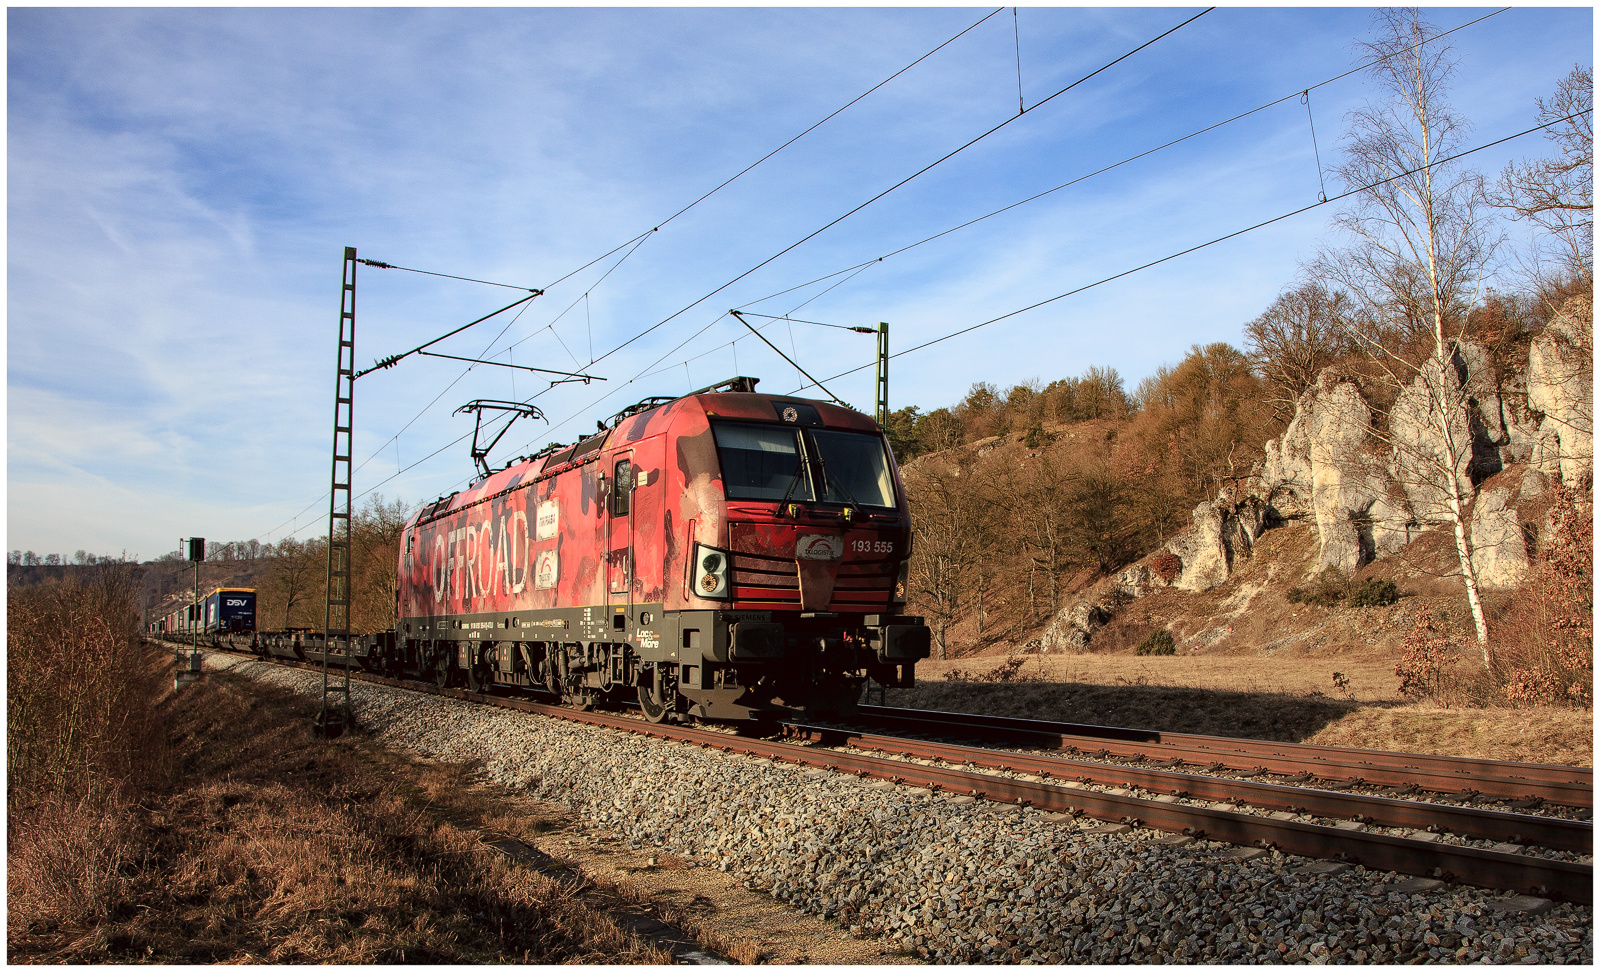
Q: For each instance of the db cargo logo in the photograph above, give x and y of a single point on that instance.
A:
(816, 546)
(547, 570)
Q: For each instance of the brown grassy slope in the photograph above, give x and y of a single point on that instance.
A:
(1246, 696)
(267, 846)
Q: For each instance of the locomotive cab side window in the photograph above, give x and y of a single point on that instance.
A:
(621, 488)
(855, 467)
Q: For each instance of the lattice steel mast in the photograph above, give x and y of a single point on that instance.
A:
(332, 720)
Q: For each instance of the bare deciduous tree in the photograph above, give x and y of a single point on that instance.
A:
(948, 516)
(1304, 331)
(1558, 194)
(1420, 247)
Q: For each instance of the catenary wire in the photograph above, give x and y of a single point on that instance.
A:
(637, 241)
(1200, 246)
(657, 228)
(942, 159)
(1132, 158)
(856, 269)
(389, 266)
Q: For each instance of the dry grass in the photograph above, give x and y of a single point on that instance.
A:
(1371, 679)
(269, 846)
(1564, 736)
(1295, 700)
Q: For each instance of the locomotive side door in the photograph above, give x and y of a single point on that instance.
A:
(634, 510)
(619, 527)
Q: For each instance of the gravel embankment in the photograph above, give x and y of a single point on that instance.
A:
(956, 880)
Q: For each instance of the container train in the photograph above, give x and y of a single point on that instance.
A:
(723, 555)
(226, 610)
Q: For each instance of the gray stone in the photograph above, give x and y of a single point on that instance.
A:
(933, 875)
(1561, 390)
(1416, 885)
(1499, 552)
(1525, 904)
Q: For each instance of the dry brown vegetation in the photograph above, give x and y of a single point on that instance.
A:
(1023, 498)
(207, 826)
(1335, 700)
(268, 846)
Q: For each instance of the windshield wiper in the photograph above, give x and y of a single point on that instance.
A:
(828, 480)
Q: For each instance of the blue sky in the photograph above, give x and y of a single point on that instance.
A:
(181, 183)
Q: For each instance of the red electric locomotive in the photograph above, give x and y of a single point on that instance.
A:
(724, 555)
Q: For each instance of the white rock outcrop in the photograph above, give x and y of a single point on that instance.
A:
(1561, 388)
(1371, 487)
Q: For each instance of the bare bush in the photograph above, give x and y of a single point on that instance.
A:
(1427, 664)
(82, 690)
(84, 736)
(65, 860)
(1545, 641)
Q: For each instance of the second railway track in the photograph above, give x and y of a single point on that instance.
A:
(1571, 786)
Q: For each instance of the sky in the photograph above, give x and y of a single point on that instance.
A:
(181, 184)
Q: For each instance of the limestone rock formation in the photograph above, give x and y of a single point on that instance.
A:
(1561, 388)
(1371, 491)
(1499, 550)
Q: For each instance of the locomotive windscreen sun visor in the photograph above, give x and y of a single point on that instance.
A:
(755, 640)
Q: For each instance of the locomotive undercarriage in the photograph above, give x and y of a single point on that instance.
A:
(720, 665)
(716, 665)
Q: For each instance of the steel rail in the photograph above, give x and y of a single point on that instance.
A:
(1482, 868)
(1566, 785)
(1473, 822)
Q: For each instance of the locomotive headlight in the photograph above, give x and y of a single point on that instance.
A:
(900, 583)
(710, 572)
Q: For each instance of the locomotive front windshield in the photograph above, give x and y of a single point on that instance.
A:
(768, 462)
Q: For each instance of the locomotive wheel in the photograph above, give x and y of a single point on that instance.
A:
(441, 672)
(654, 708)
(581, 698)
(478, 678)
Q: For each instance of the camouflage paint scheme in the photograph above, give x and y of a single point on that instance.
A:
(479, 553)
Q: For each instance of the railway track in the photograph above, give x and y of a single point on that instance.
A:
(1464, 779)
(839, 750)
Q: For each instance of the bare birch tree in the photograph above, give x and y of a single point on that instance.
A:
(1421, 245)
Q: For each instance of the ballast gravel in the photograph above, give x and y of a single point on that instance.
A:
(952, 879)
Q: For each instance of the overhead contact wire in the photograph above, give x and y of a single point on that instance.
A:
(942, 159)
(1200, 246)
(1132, 158)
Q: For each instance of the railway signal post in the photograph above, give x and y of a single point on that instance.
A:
(190, 667)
